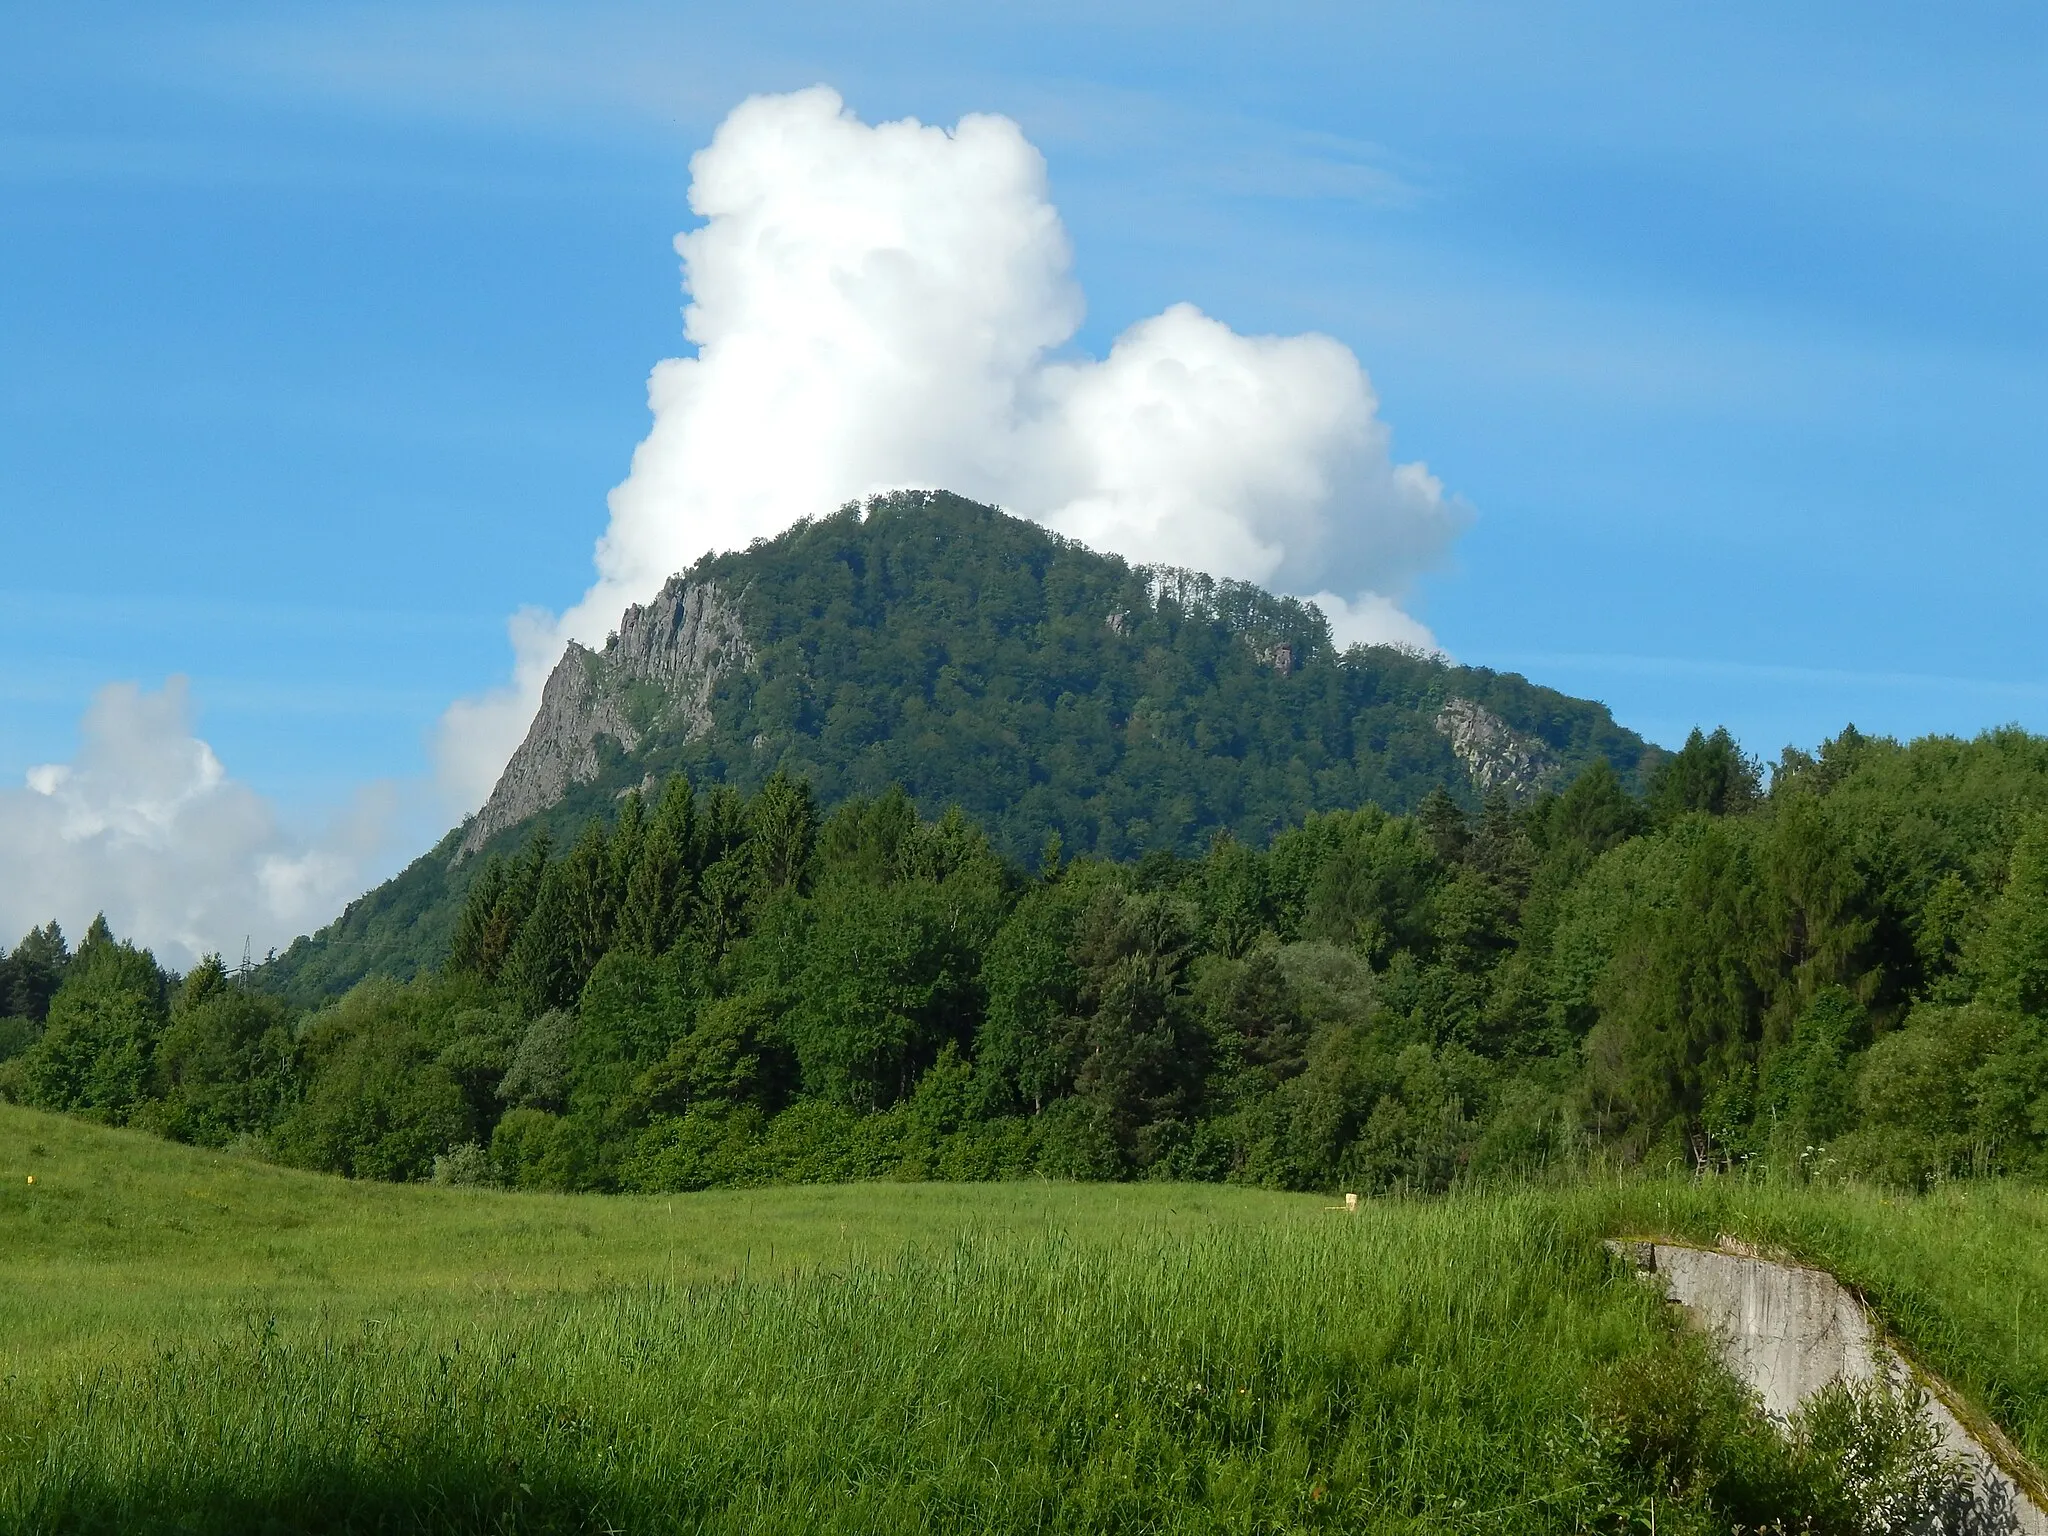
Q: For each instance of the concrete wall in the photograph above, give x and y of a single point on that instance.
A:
(1786, 1332)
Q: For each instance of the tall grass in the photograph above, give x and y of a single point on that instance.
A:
(1960, 1275)
(190, 1343)
(1412, 1369)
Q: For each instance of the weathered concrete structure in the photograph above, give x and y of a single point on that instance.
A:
(1787, 1331)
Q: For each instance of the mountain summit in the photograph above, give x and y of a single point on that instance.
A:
(979, 660)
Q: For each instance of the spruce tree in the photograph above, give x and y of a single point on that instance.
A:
(654, 909)
(627, 835)
(719, 829)
(568, 931)
(31, 975)
(782, 825)
(540, 971)
(468, 949)
(2010, 958)
(593, 900)
(1444, 824)
(514, 905)
(1709, 773)
(676, 813)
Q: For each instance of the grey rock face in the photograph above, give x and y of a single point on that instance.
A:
(1496, 754)
(657, 673)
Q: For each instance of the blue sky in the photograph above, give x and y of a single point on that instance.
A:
(324, 330)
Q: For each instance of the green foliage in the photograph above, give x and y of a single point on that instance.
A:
(31, 974)
(392, 1073)
(656, 884)
(568, 929)
(1032, 985)
(16, 1036)
(1681, 1004)
(738, 988)
(93, 1055)
(976, 660)
(1961, 1089)
(781, 827)
(888, 974)
(537, 1077)
(1139, 1052)
(2010, 958)
(1708, 774)
(634, 1009)
(1009, 1358)
(227, 1064)
(1806, 1096)
(1359, 878)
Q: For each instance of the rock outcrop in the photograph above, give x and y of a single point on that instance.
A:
(657, 673)
(1496, 754)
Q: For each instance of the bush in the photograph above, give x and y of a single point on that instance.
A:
(468, 1164)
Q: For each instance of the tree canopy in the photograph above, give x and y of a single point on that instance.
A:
(1845, 970)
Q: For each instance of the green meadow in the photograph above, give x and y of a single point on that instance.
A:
(195, 1342)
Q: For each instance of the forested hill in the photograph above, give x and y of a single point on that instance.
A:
(1847, 973)
(979, 661)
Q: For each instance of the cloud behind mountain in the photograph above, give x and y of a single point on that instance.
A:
(883, 306)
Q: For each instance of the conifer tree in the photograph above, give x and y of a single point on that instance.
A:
(627, 835)
(512, 906)
(539, 971)
(719, 829)
(654, 909)
(1709, 773)
(2010, 958)
(562, 941)
(593, 900)
(1138, 1052)
(782, 825)
(1444, 824)
(30, 976)
(1030, 980)
(676, 813)
(468, 947)
(1594, 814)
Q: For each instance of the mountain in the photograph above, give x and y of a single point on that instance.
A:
(979, 660)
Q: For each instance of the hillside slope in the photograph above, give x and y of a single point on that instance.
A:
(980, 661)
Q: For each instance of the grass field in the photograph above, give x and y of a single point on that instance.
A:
(195, 1342)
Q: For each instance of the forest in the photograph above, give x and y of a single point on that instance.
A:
(974, 659)
(1839, 968)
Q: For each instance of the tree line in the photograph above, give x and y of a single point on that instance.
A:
(1845, 972)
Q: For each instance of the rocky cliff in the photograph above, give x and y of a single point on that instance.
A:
(1494, 753)
(978, 660)
(658, 672)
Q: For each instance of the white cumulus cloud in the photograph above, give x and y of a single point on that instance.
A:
(882, 306)
(146, 825)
